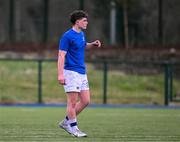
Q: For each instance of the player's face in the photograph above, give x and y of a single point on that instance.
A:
(82, 23)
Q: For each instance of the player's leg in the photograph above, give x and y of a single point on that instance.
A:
(73, 109)
(71, 112)
(72, 88)
(84, 95)
(70, 125)
(84, 100)
(72, 98)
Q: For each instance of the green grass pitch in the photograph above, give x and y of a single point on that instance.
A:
(39, 124)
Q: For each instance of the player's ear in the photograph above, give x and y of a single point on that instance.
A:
(77, 22)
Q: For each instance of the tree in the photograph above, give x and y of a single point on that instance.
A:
(126, 4)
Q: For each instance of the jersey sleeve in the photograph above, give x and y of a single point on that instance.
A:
(64, 43)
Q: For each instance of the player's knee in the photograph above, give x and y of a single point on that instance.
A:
(72, 104)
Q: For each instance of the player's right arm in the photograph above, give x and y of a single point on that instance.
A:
(61, 59)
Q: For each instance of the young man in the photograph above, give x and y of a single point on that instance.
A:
(72, 71)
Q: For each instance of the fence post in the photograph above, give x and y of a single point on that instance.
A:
(171, 82)
(105, 82)
(166, 86)
(40, 81)
(168, 83)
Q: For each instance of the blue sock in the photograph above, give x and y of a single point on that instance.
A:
(67, 118)
(73, 123)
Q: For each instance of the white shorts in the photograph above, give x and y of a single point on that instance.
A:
(75, 82)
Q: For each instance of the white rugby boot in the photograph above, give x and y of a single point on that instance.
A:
(65, 126)
(77, 133)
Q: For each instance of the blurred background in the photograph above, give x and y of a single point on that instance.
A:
(144, 23)
(139, 62)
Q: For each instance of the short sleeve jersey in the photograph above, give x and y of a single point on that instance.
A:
(74, 44)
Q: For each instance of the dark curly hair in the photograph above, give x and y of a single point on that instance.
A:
(77, 15)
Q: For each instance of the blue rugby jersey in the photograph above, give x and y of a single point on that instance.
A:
(74, 44)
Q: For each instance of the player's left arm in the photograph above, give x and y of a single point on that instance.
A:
(95, 43)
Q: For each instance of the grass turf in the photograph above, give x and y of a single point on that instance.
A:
(19, 124)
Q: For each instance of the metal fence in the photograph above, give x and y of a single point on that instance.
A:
(106, 66)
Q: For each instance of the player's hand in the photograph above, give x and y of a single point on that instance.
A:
(96, 43)
(61, 80)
